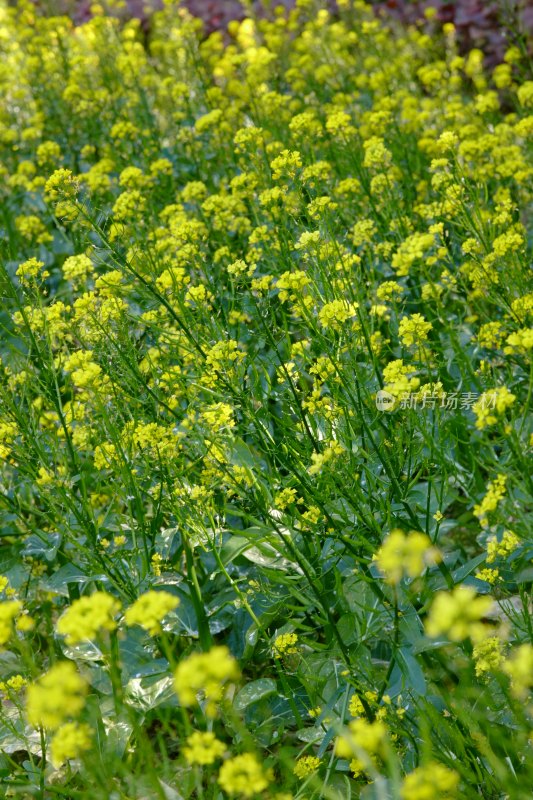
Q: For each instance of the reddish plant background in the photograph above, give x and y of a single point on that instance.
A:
(492, 25)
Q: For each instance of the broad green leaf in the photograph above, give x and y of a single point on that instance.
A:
(253, 692)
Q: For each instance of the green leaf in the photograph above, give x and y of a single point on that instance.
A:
(232, 548)
(147, 693)
(253, 692)
(411, 671)
(460, 574)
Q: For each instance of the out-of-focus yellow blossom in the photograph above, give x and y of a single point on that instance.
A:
(433, 781)
(207, 674)
(330, 452)
(411, 251)
(70, 741)
(203, 748)
(57, 695)
(86, 617)
(525, 94)
(33, 228)
(9, 610)
(457, 614)
(25, 623)
(8, 434)
(339, 123)
(519, 342)
(361, 743)
(243, 776)
(376, 154)
(149, 610)
(77, 269)
(519, 667)
(400, 379)
(404, 554)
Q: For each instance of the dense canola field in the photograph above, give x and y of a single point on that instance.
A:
(264, 387)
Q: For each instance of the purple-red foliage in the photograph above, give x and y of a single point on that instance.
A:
(492, 25)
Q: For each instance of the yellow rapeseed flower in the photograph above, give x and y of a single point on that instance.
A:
(56, 696)
(243, 776)
(492, 405)
(414, 330)
(361, 743)
(405, 554)
(149, 609)
(519, 667)
(207, 674)
(457, 614)
(433, 781)
(9, 609)
(86, 617)
(203, 748)
(306, 766)
(70, 741)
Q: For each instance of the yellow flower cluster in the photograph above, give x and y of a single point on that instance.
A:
(243, 776)
(86, 617)
(30, 270)
(400, 379)
(433, 781)
(491, 405)
(519, 667)
(149, 610)
(70, 741)
(207, 674)
(77, 269)
(414, 330)
(404, 554)
(56, 696)
(362, 743)
(9, 609)
(503, 547)
(487, 655)
(496, 490)
(203, 748)
(457, 614)
(285, 644)
(217, 250)
(306, 766)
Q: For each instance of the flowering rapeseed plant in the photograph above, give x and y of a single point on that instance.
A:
(265, 370)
